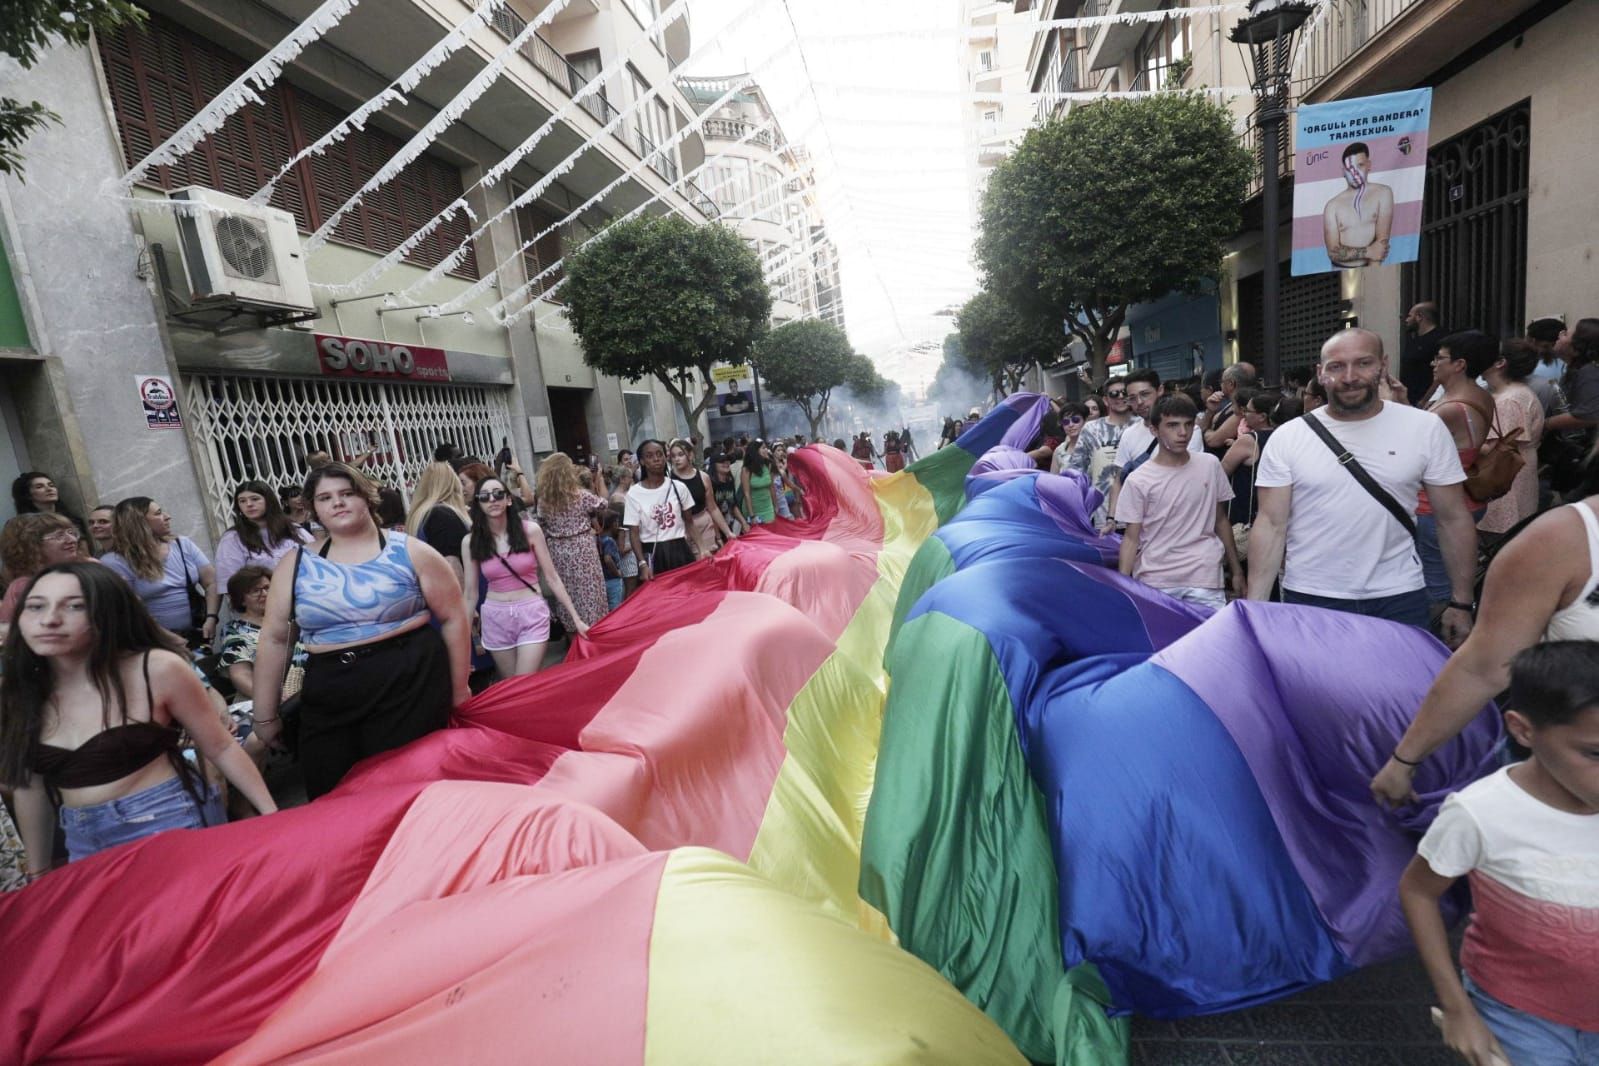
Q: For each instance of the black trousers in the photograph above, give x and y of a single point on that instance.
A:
(370, 699)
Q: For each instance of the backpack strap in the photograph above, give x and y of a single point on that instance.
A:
(1347, 460)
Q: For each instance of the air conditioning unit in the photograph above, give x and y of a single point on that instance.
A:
(239, 253)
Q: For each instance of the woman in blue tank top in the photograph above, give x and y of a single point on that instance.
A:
(378, 675)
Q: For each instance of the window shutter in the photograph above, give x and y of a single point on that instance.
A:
(160, 75)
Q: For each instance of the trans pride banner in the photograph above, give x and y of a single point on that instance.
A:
(1360, 167)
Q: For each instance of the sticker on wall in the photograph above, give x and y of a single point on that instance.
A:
(1359, 170)
(160, 401)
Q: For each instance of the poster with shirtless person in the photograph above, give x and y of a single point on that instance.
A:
(1359, 171)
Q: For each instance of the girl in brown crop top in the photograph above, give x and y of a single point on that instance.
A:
(97, 697)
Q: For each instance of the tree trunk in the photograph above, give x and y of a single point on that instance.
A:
(691, 414)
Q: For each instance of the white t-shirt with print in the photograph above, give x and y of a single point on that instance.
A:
(657, 512)
(1342, 543)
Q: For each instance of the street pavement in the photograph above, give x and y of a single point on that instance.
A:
(1373, 1017)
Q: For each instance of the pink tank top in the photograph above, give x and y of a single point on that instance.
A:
(522, 574)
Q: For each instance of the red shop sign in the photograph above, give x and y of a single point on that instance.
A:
(355, 357)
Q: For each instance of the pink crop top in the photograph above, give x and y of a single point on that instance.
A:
(522, 574)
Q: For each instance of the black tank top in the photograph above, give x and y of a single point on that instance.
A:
(112, 754)
(696, 490)
(1241, 511)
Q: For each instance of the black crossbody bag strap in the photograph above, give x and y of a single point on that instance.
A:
(1358, 472)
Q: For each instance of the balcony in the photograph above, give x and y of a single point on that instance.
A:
(543, 55)
(731, 129)
(1365, 47)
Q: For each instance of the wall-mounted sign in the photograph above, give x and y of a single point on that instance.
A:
(1359, 170)
(357, 357)
(721, 374)
(160, 401)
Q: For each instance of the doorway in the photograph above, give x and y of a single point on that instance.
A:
(569, 420)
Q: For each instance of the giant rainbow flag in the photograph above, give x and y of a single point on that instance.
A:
(730, 828)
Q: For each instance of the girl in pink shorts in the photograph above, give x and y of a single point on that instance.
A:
(508, 551)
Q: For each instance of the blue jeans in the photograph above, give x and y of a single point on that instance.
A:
(1530, 1040)
(1407, 607)
(145, 813)
(613, 592)
(1432, 556)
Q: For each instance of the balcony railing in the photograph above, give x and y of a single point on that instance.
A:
(1089, 10)
(543, 55)
(730, 129)
(1252, 140)
(1345, 28)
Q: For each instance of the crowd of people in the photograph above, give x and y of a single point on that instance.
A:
(354, 624)
(1465, 502)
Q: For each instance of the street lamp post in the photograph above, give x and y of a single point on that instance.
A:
(1266, 35)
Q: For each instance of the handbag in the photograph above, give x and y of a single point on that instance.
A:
(293, 674)
(1498, 462)
(1358, 472)
(197, 611)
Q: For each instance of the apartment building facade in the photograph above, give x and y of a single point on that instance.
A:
(994, 70)
(1508, 231)
(392, 353)
(766, 189)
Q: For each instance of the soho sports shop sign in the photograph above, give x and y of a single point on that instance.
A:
(355, 357)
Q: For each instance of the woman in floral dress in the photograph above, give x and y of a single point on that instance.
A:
(566, 509)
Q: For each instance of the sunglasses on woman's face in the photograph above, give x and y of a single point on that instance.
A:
(492, 496)
(1074, 420)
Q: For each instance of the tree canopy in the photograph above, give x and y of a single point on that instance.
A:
(660, 297)
(1115, 203)
(1001, 340)
(805, 361)
(30, 25)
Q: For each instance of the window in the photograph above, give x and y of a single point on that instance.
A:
(587, 67)
(1162, 45)
(985, 60)
(640, 407)
(545, 251)
(160, 75)
(646, 11)
(990, 123)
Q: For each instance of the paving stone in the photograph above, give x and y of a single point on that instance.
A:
(1181, 1053)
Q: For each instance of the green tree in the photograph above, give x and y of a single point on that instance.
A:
(1116, 203)
(1000, 341)
(659, 297)
(28, 26)
(804, 362)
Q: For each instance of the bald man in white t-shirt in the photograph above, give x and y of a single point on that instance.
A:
(1343, 548)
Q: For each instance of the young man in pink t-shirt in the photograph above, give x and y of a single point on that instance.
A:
(1527, 838)
(1175, 509)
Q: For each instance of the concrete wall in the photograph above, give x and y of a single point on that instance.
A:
(1553, 64)
(91, 315)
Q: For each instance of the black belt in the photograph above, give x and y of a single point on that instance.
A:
(350, 655)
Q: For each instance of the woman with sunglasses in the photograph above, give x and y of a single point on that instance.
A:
(1073, 417)
(509, 552)
(378, 676)
(656, 516)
